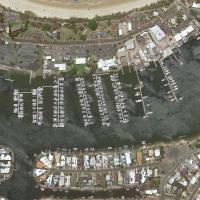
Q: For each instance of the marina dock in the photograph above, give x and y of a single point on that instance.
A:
(84, 102)
(37, 109)
(119, 99)
(101, 100)
(58, 102)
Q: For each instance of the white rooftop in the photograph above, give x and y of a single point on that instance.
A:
(132, 176)
(61, 67)
(80, 61)
(48, 57)
(178, 37)
(157, 32)
(155, 13)
(196, 5)
(5, 157)
(39, 172)
(151, 192)
(120, 32)
(106, 64)
(129, 26)
(184, 33)
(184, 182)
(129, 45)
(121, 50)
(45, 161)
(157, 152)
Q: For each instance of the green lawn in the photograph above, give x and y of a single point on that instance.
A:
(66, 34)
(79, 69)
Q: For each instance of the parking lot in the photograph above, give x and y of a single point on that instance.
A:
(98, 51)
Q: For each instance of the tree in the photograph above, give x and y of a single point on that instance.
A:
(179, 17)
(92, 24)
(83, 37)
(46, 27)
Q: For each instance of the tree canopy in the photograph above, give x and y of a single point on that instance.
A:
(92, 24)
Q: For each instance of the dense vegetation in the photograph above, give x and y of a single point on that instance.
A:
(92, 24)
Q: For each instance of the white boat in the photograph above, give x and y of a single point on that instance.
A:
(139, 100)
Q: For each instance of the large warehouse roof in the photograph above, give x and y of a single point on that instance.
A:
(157, 32)
(184, 33)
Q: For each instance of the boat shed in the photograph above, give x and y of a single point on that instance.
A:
(180, 36)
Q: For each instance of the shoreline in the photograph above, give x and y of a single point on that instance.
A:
(66, 11)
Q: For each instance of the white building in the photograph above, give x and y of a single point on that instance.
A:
(183, 182)
(198, 156)
(49, 180)
(74, 162)
(195, 178)
(128, 158)
(151, 192)
(157, 33)
(86, 162)
(131, 177)
(167, 52)
(67, 182)
(155, 13)
(106, 64)
(61, 67)
(196, 5)
(46, 162)
(181, 36)
(48, 57)
(80, 61)
(129, 26)
(120, 29)
(39, 172)
(157, 152)
(129, 44)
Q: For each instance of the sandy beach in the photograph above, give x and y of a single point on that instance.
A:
(72, 8)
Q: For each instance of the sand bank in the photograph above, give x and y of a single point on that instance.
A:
(71, 8)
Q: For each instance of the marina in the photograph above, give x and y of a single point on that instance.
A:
(18, 104)
(84, 102)
(58, 103)
(121, 78)
(37, 109)
(139, 93)
(101, 100)
(119, 99)
(170, 82)
(90, 86)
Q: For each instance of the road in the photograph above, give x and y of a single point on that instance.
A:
(79, 43)
(194, 192)
(57, 170)
(97, 42)
(173, 169)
